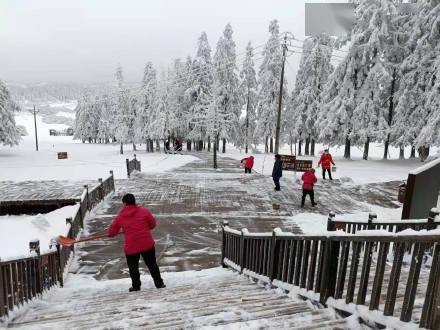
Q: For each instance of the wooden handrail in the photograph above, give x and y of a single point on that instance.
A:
(329, 264)
(23, 279)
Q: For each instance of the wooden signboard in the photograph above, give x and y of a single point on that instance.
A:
(303, 165)
(62, 155)
(288, 162)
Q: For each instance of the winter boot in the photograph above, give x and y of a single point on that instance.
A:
(134, 289)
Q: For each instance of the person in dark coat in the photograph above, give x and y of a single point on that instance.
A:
(277, 172)
(309, 180)
(136, 223)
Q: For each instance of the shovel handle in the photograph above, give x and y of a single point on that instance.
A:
(91, 238)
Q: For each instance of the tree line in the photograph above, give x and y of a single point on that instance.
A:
(378, 84)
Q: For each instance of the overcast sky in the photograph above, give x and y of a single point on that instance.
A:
(84, 40)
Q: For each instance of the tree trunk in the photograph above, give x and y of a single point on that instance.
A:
(291, 148)
(390, 113)
(401, 153)
(413, 152)
(266, 145)
(157, 145)
(134, 146)
(299, 147)
(224, 146)
(217, 144)
(188, 145)
(151, 145)
(215, 150)
(366, 149)
(121, 151)
(423, 153)
(312, 148)
(307, 147)
(271, 144)
(147, 146)
(209, 144)
(347, 148)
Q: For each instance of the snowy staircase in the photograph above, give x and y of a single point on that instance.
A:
(208, 298)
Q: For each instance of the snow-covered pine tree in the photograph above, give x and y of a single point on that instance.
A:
(313, 73)
(226, 99)
(122, 109)
(83, 120)
(148, 98)
(199, 93)
(269, 83)
(9, 133)
(417, 104)
(106, 122)
(248, 91)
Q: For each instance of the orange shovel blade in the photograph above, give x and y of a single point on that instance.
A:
(65, 241)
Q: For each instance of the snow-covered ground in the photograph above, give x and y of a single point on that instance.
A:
(18, 230)
(85, 161)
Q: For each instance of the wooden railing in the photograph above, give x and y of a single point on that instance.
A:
(25, 278)
(352, 226)
(133, 165)
(328, 266)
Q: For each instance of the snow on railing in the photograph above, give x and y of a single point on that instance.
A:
(24, 277)
(327, 267)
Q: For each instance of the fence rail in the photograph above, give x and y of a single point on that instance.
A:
(372, 223)
(133, 165)
(25, 278)
(329, 266)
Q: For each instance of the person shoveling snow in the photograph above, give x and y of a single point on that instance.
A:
(136, 224)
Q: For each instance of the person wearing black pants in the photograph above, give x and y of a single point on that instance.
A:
(277, 172)
(247, 170)
(329, 173)
(311, 193)
(149, 257)
(136, 223)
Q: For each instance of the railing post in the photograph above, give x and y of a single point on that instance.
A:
(112, 180)
(69, 221)
(371, 217)
(273, 256)
(60, 266)
(3, 309)
(330, 222)
(329, 270)
(128, 167)
(242, 251)
(86, 187)
(101, 189)
(225, 224)
(433, 213)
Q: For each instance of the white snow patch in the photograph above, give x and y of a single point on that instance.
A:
(18, 230)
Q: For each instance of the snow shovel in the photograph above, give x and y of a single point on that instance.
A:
(66, 241)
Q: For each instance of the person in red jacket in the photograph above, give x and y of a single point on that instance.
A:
(248, 164)
(309, 179)
(326, 162)
(136, 223)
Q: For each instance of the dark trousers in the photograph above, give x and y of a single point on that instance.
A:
(247, 170)
(277, 183)
(329, 173)
(149, 257)
(306, 192)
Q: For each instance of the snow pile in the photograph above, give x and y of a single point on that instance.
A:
(18, 230)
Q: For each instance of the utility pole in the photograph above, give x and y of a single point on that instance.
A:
(35, 125)
(280, 100)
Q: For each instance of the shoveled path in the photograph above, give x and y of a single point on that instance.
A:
(192, 201)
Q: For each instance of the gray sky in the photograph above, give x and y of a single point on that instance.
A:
(84, 40)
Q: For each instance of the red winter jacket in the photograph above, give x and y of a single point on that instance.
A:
(326, 161)
(309, 179)
(248, 162)
(136, 223)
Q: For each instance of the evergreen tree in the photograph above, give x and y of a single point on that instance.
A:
(313, 73)
(269, 79)
(226, 100)
(248, 91)
(9, 133)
